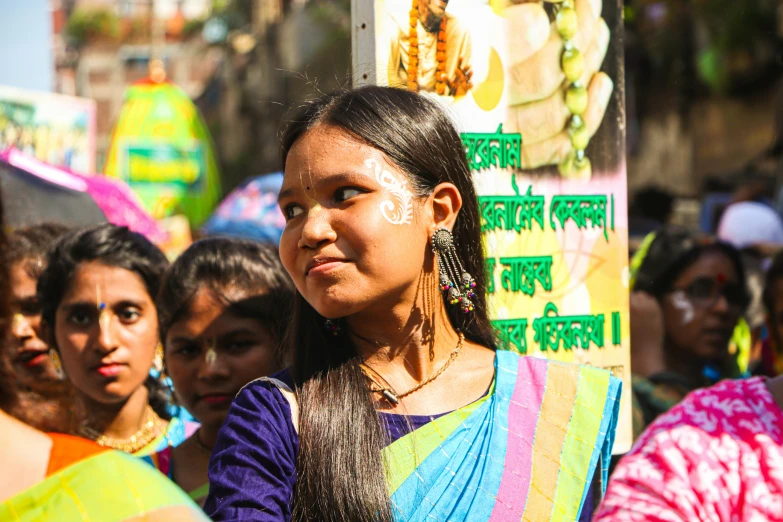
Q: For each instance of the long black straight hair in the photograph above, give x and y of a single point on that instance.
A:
(340, 472)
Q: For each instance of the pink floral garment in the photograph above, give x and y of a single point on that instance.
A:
(716, 456)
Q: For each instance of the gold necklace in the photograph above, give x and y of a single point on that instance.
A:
(146, 434)
(388, 393)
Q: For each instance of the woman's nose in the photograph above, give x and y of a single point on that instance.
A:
(213, 366)
(21, 327)
(107, 339)
(317, 228)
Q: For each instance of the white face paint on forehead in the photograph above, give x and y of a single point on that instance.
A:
(401, 212)
(683, 305)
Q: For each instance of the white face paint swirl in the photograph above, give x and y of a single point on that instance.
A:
(400, 213)
(683, 305)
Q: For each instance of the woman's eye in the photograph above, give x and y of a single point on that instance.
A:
(292, 211)
(344, 194)
(187, 350)
(79, 318)
(129, 315)
(238, 346)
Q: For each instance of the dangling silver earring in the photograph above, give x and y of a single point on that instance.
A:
(454, 280)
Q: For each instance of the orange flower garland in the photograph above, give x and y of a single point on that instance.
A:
(413, 53)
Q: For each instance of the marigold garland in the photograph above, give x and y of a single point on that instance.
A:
(413, 53)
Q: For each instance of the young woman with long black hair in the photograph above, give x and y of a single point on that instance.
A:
(402, 409)
(223, 308)
(49, 477)
(98, 306)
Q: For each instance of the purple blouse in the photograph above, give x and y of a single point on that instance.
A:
(252, 471)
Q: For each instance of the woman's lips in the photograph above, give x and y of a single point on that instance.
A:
(110, 370)
(217, 399)
(321, 267)
(33, 358)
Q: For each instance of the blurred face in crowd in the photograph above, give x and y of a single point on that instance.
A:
(212, 352)
(30, 353)
(703, 307)
(106, 331)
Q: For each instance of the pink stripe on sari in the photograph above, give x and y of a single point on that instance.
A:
(523, 415)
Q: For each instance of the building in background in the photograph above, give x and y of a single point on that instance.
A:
(243, 62)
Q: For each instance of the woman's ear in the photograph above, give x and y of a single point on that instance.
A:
(445, 202)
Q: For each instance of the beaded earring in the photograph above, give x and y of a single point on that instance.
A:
(454, 280)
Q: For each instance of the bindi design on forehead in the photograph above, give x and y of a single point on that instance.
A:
(401, 211)
(104, 319)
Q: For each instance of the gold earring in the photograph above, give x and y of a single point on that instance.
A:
(57, 364)
(157, 362)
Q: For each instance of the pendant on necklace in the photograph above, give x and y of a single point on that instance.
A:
(390, 396)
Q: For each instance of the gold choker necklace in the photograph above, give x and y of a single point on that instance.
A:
(388, 393)
(153, 427)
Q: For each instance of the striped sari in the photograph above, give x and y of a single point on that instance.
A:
(527, 451)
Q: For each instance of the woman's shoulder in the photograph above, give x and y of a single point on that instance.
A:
(578, 385)
(253, 464)
(279, 380)
(740, 408)
(263, 402)
(725, 434)
(69, 449)
(541, 365)
(267, 390)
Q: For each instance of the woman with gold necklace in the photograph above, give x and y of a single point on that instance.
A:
(97, 297)
(398, 405)
(49, 477)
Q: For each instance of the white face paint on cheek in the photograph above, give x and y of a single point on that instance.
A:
(401, 212)
(681, 303)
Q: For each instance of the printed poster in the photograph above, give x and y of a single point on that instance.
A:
(536, 89)
(58, 130)
(162, 173)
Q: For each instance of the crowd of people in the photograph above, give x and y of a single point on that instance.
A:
(352, 373)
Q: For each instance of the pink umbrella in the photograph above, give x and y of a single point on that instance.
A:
(113, 197)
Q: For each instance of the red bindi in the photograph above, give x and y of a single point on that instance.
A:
(721, 278)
